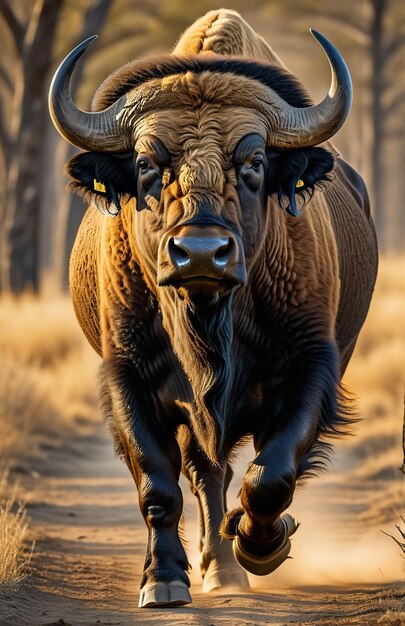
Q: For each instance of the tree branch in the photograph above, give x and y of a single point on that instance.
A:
(392, 47)
(121, 36)
(357, 34)
(5, 79)
(16, 29)
(93, 22)
(395, 103)
(4, 134)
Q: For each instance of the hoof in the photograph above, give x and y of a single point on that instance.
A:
(216, 579)
(175, 593)
(262, 565)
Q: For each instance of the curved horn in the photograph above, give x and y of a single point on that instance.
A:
(90, 131)
(300, 128)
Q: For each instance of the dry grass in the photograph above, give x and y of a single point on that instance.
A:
(38, 332)
(376, 375)
(48, 374)
(377, 370)
(47, 384)
(15, 555)
(25, 409)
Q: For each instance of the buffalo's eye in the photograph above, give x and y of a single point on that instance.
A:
(249, 159)
(251, 172)
(149, 181)
(256, 163)
(144, 165)
(149, 172)
(151, 161)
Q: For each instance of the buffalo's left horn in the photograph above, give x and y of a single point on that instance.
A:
(310, 126)
(90, 131)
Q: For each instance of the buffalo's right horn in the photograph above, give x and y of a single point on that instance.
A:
(89, 131)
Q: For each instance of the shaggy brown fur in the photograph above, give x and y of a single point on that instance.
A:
(266, 358)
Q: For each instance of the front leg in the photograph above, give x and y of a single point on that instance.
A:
(153, 457)
(286, 447)
(209, 484)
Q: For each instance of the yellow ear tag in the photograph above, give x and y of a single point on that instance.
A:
(98, 186)
(300, 183)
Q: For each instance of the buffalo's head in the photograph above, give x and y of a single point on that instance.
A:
(201, 143)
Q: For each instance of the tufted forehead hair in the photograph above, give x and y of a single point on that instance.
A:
(187, 113)
(200, 141)
(229, 71)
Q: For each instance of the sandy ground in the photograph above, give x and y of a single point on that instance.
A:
(89, 552)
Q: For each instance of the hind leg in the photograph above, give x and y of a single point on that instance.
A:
(209, 484)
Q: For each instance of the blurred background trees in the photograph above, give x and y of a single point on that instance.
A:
(39, 220)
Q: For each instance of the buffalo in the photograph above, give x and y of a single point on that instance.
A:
(226, 294)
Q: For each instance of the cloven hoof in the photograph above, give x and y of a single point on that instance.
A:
(175, 593)
(222, 579)
(262, 565)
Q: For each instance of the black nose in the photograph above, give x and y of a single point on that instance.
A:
(201, 254)
(210, 256)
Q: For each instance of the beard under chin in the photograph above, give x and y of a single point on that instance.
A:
(202, 340)
(204, 298)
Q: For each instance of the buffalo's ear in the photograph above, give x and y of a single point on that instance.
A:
(103, 179)
(296, 172)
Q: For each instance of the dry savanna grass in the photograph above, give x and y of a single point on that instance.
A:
(376, 375)
(377, 370)
(47, 384)
(14, 558)
(15, 554)
(48, 374)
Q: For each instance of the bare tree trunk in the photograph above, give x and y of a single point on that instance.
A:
(56, 202)
(20, 268)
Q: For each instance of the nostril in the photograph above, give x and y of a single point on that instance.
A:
(178, 254)
(224, 253)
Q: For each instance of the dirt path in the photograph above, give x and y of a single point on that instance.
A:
(89, 552)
